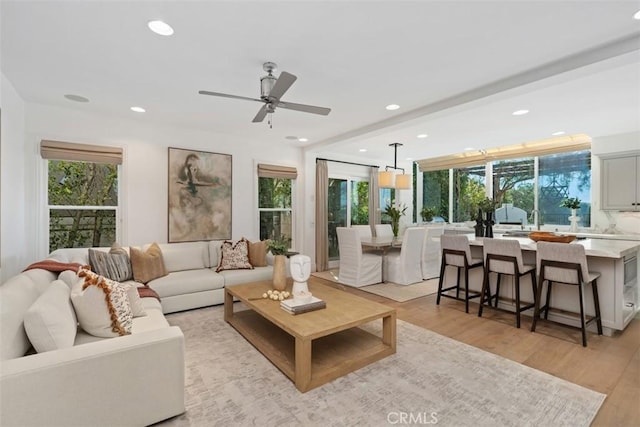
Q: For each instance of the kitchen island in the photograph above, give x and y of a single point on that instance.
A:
(615, 260)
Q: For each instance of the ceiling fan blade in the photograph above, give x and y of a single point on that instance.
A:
(283, 84)
(224, 95)
(306, 108)
(262, 113)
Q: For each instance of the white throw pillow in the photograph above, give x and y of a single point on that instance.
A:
(137, 309)
(51, 322)
(95, 300)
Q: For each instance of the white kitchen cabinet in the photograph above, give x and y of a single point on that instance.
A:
(620, 188)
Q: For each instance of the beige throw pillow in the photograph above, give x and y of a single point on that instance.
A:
(235, 257)
(258, 253)
(147, 265)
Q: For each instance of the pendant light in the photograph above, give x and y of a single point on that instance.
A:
(389, 179)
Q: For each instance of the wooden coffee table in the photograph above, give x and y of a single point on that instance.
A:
(316, 347)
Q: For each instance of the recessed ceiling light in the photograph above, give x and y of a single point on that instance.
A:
(469, 149)
(560, 132)
(520, 112)
(636, 15)
(303, 139)
(160, 27)
(138, 109)
(76, 98)
(423, 135)
(392, 107)
(363, 150)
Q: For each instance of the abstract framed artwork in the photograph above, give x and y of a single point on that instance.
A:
(199, 195)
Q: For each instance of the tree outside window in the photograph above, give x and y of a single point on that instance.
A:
(275, 208)
(435, 192)
(82, 204)
(468, 191)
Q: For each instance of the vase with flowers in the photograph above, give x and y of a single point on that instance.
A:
(395, 213)
(572, 203)
(488, 206)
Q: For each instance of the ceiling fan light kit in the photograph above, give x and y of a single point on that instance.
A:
(389, 179)
(271, 90)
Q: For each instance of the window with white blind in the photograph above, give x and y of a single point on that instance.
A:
(275, 201)
(82, 194)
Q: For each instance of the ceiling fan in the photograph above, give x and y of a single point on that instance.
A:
(271, 90)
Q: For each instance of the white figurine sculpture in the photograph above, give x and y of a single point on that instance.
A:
(300, 266)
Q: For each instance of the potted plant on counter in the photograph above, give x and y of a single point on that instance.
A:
(395, 213)
(572, 203)
(488, 206)
(427, 213)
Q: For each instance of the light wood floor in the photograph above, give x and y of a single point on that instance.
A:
(609, 365)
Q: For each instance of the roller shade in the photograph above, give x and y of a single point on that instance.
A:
(59, 150)
(544, 147)
(275, 171)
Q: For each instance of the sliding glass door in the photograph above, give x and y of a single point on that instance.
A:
(348, 204)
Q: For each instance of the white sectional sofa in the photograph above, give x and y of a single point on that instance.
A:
(130, 380)
(192, 281)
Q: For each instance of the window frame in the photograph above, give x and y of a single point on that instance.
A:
(45, 232)
(291, 209)
(419, 201)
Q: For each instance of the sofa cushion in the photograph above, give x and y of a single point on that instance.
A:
(147, 265)
(16, 296)
(51, 322)
(79, 255)
(114, 265)
(235, 277)
(258, 253)
(152, 321)
(186, 282)
(214, 253)
(69, 278)
(185, 256)
(102, 308)
(235, 257)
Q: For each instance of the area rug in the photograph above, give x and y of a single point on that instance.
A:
(431, 379)
(400, 293)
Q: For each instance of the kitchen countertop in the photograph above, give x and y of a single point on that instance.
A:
(588, 234)
(593, 247)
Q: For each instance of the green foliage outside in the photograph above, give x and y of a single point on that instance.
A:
(360, 203)
(275, 193)
(81, 184)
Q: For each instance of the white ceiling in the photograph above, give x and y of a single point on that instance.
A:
(457, 68)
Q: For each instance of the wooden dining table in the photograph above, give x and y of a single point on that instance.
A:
(382, 243)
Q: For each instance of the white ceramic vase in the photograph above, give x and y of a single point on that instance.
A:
(575, 219)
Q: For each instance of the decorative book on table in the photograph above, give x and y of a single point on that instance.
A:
(295, 307)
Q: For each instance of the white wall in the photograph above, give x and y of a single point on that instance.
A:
(144, 174)
(13, 241)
